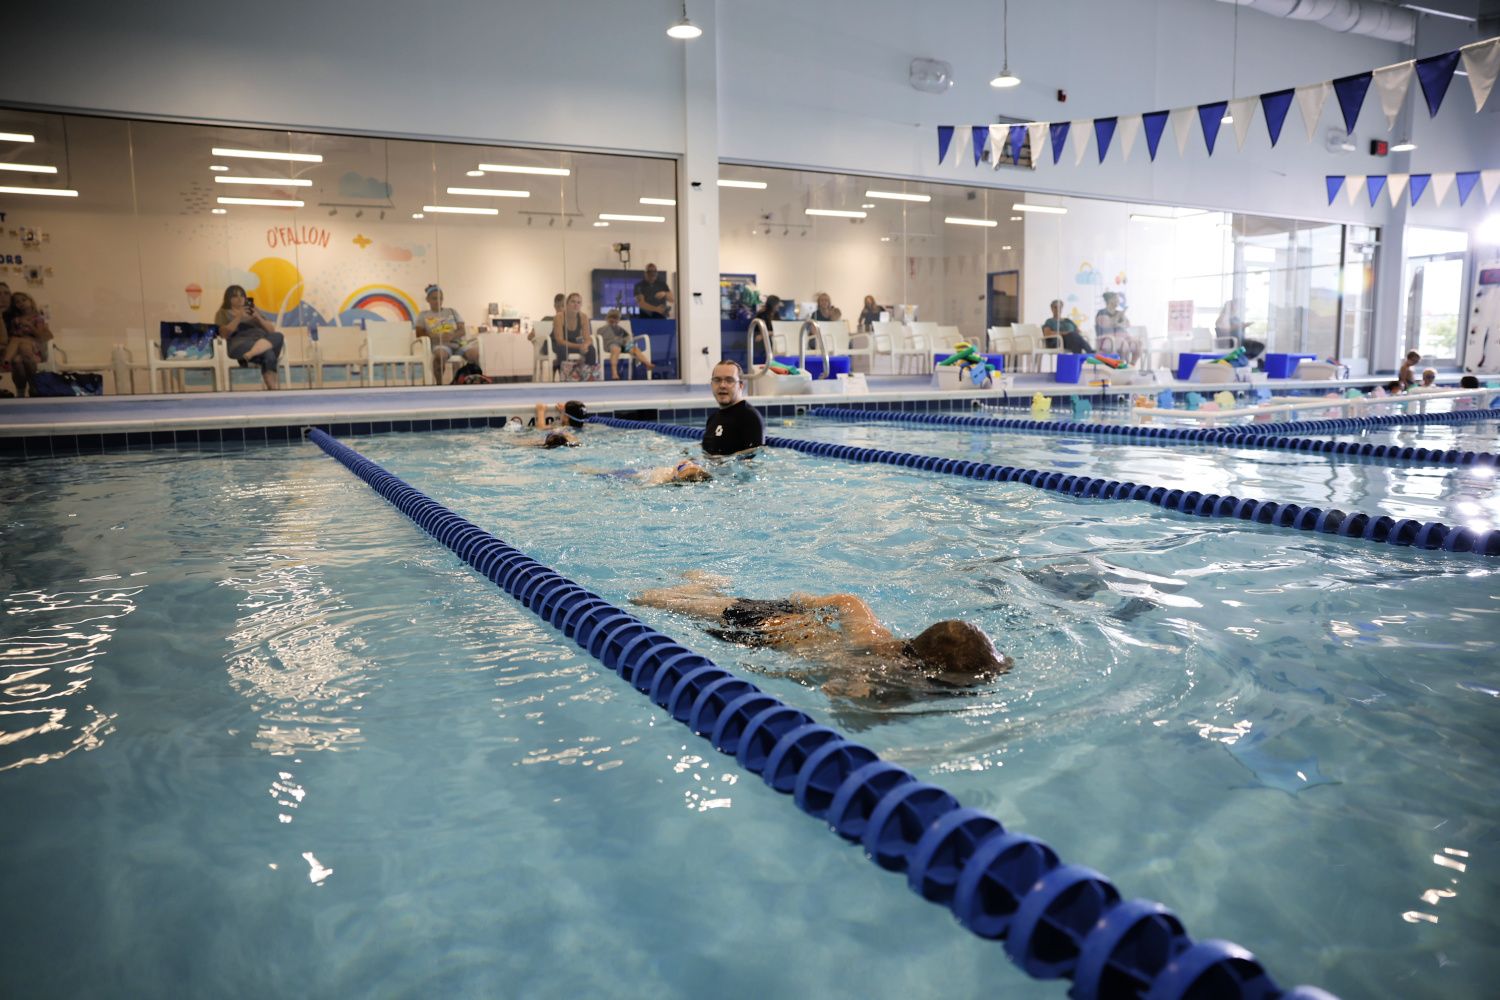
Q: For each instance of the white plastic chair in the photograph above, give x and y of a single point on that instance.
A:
(171, 369)
(912, 347)
(885, 335)
(78, 358)
(299, 352)
(542, 369)
(342, 347)
(393, 345)
(637, 340)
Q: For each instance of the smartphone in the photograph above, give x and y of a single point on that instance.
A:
(249, 304)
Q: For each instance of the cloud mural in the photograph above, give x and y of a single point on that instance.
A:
(355, 185)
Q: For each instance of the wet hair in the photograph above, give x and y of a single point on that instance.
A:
(697, 474)
(1468, 382)
(1394, 385)
(959, 650)
(557, 439)
(576, 413)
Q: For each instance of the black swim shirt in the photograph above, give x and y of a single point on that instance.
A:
(734, 428)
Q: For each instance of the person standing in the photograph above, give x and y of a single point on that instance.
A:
(251, 341)
(652, 296)
(1060, 326)
(1408, 374)
(737, 426)
(445, 328)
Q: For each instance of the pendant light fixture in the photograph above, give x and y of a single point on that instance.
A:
(1006, 77)
(684, 29)
(1234, 68)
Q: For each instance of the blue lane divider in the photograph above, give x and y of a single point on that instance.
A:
(1057, 920)
(1370, 527)
(1241, 436)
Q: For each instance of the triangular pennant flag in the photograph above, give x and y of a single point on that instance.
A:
(1211, 116)
(1104, 131)
(1155, 122)
(1375, 183)
(1242, 110)
(997, 143)
(1334, 182)
(1354, 187)
(1418, 185)
(1310, 99)
(1130, 127)
(1441, 185)
(1489, 180)
(1351, 92)
(1482, 63)
(981, 133)
(1276, 104)
(1080, 141)
(1182, 127)
(1059, 132)
(1466, 181)
(1391, 83)
(1017, 140)
(1396, 187)
(1036, 133)
(945, 139)
(1434, 74)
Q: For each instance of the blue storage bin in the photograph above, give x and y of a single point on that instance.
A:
(1284, 365)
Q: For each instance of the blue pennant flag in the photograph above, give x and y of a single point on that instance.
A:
(1156, 124)
(1334, 182)
(1059, 132)
(1015, 139)
(945, 139)
(1434, 74)
(981, 133)
(1466, 182)
(1417, 185)
(1374, 184)
(1275, 105)
(1104, 131)
(1351, 94)
(1211, 116)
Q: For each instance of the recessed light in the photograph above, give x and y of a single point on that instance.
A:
(418, 215)
(614, 217)
(659, 201)
(509, 168)
(460, 210)
(17, 137)
(1007, 247)
(261, 154)
(601, 225)
(833, 213)
(272, 202)
(958, 220)
(218, 168)
(868, 204)
(296, 182)
(28, 168)
(1021, 206)
(885, 239)
(219, 211)
(753, 185)
(898, 196)
(473, 173)
(54, 192)
(490, 192)
(1015, 218)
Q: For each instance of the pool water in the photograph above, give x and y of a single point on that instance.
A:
(264, 737)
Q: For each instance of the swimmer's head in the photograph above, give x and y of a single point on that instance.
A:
(690, 472)
(576, 412)
(557, 439)
(957, 652)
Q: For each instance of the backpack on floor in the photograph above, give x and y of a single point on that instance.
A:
(67, 384)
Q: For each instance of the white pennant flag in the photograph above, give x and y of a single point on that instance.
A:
(1081, 133)
(1036, 134)
(1242, 110)
(1310, 99)
(1441, 185)
(998, 136)
(1482, 62)
(1489, 180)
(1390, 83)
(1395, 185)
(1129, 128)
(1182, 126)
(1352, 187)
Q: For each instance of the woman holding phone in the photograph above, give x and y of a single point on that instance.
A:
(251, 339)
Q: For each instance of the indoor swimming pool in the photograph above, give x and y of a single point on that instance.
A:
(270, 738)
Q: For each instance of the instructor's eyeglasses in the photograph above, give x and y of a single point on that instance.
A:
(729, 380)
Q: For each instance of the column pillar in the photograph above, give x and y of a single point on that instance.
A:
(698, 201)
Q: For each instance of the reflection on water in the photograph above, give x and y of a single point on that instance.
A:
(47, 659)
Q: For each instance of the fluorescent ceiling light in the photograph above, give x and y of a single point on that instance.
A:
(885, 239)
(490, 192)
(600, 225)
(272, 202)
(509, 168)
(296, 182)
(261, 154)
(1437, 13)
(725, 182)
(658, 201)
(17, 137)
(219, 211)
(833, 213)
(1015, 218)
(868, 204)
(54, 192)
(1143, 217)
(218, 168)
(958, 220)
(1021, 206)
(460, 210)
(613, 217)
(28, 168)
(898, 196)
(473, 173)
(418, 215)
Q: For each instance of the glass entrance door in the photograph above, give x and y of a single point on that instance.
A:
(1434, 306)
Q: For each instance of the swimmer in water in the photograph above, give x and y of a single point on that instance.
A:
(686, 471)
(840, 632)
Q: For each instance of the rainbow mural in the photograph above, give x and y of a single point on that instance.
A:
(382, 300)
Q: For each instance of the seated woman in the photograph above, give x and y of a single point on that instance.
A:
(26, 346)
(572, 334)
(838, 632)
(445, 329)
(251, 339)
(1112, 330)
(826, 312)
(1060, 326)
(869, 315)
(618, 340)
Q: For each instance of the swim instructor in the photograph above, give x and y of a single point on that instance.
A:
(737, 426)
